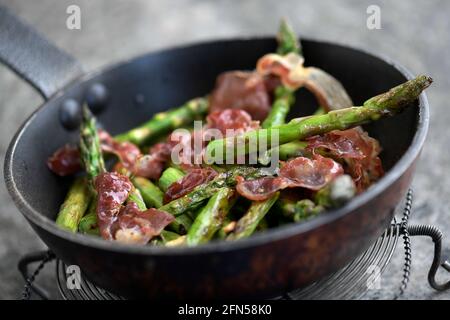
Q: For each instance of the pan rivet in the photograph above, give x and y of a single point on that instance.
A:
(139, 99)
(97, 97)
(70, 114)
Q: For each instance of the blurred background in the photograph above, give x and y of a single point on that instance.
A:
(415, 33)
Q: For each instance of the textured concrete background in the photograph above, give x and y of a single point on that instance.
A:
(416, 33)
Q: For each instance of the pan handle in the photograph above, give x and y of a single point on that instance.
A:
(34, 58)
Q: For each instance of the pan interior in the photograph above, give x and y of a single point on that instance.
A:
(167, 79)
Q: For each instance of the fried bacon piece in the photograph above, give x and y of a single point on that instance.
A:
(357, 148)
(312, 174)
(289, 68)
(152, 164)
(112, 189)
(125, 223)
(260, 189)
(127, 152)
(194, 178)
(241, 90)
(65, 161)
(231, 122)
(139, 227)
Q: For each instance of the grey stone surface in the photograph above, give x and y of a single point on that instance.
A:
(415, 33)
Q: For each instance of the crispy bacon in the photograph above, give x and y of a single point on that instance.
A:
(65, 161)
(358, 149)
(289, 68)
(241, 90)
(346, 144)
(260, 189)
(188, 183)
(138, 227)
(127, 152)
(312, 174)
(151, 165)
(112, 189)
(231, 122)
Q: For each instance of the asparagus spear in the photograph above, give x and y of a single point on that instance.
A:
(136, 197)
(91, 153)
(211, 217)
(284, 97)
(305, 209)
(88, 224)
(207, 190)
(169, 176)
(287, 41)
(74, 206)
(248, 223)
(166, 121)
(383, 105)
(181, 224)
(77, 200)
(152, 195)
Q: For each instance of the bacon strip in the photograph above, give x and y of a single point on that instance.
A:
(312, 174)
(290, 69)
(139, 227)
(125, 223)
(112, 189)
(231, 122)
(127, 152)
(241, 90)
(151, 165)
(357, 148)
(188, 183)
(65, 161)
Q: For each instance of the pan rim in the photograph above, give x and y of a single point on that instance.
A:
(272, 235)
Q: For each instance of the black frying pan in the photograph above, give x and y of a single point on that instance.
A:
(264, 265)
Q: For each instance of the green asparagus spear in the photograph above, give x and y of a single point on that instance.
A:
(79, 195)
(74, 206)
(305, 209)
(88, 224)
(386, 104)
(92, 158)
(169, 176)
(287, 41)
(165, 122)
(284, 98)
(167, 236)
(181, 224)
(136, 197)
(152, 195)
(211, 217)
(91, 153)
(207, 190)
(248, 223)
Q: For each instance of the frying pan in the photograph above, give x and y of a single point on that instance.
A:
(267, 264)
